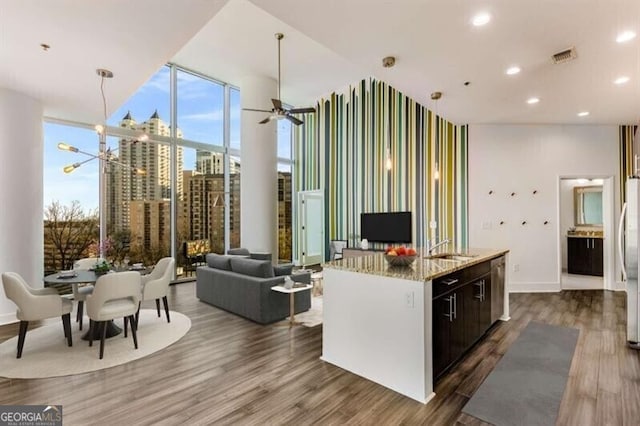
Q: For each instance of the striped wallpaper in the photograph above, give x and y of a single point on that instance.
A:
(626, 157)
(342, 150)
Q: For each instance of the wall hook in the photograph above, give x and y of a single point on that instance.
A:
(502, 222)
(535, 191)
(513, 193)
(524, 222)
(490, 191)
(546, 222)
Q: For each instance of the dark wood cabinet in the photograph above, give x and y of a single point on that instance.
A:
(461, 316)
(585, 256)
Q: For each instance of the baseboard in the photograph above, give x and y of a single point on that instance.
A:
(534, 287)
(619, 286)
(8, 318)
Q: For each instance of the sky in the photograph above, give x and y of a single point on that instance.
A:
(200, 118)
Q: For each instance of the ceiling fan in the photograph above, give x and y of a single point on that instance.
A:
(278, 112)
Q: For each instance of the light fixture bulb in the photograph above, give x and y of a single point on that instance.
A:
(513, 70)
(625, 36)
(436, 173)
(99, 128)
(388, 163)
(141, 172)
(66, 147)
(481, 19)
(143, 137)
(532, 101)
(583, 114)
(621, 80)
(71, 167)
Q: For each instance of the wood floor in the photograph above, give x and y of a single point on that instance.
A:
(228, 370)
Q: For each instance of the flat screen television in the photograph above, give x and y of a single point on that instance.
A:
(386, 227)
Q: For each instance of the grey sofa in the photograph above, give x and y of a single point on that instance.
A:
(243, 286)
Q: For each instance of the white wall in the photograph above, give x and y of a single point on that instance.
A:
(523, 159)
(21, 205)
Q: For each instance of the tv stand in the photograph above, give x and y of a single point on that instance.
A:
(348, 252)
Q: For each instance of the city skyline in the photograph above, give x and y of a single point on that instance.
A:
(200, 115)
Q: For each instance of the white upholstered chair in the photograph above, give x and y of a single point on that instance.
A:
(116, 295)
(80, 293)
(35, 304)
(156, 284)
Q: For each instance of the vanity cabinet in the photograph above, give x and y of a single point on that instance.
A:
(585, 256)
(461, 314)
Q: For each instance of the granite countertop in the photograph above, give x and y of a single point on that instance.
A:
(585, 234)
(421, 270)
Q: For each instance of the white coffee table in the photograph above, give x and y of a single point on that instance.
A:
(291, 291)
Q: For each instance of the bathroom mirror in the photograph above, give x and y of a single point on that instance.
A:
(588, 205)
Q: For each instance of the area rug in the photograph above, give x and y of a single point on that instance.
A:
(46, 353)
(527, 384)
(312, 317)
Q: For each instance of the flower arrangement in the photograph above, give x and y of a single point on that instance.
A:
(102, 267)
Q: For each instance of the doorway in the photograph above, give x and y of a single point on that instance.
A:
(586, 232)
(310, 227)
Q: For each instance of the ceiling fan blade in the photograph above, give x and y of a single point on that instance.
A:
(276, 103)
(259, 110)
(293, 120)
(266, 120)
(302, 110)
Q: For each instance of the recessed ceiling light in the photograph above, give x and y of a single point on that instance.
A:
(583, 114)
(532, 101)
(513, 70)
(621, 80)
(625, 36)
(481, 19)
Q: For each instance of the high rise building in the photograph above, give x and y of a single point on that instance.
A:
(125, 187)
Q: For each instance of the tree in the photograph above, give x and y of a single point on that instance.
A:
(69, 231)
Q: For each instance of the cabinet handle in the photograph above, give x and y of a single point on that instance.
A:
(450, 281)
(450, 314)
(479, 285)
(484, 294)
(455, 306)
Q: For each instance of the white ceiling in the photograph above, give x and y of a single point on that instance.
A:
(330, 44)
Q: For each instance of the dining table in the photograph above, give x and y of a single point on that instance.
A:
(83, 277)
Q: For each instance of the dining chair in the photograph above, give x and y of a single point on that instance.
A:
(80, 293)
(156, 285)
(115, 295)
(34, 305)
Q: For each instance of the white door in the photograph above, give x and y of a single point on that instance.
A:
(311, 208)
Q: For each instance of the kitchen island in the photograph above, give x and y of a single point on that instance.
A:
(403, 327)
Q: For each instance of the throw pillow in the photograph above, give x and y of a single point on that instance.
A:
(218, 261)
(281, 270)
(238, 251)
(252, 267)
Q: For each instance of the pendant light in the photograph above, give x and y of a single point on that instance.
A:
(435, 96)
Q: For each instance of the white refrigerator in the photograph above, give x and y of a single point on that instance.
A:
(628, 235)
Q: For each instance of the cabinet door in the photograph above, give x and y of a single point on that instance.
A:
(471, 294)
(442, 320)
(484, 316)
(579, 255)
(597, 265)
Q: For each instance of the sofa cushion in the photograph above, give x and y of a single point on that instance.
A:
(252, 267)
(284, 269)
(238, 251)
(261, 256)
(219, 261)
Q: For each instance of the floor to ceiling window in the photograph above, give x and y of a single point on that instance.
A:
(196, 161)
(284, 191)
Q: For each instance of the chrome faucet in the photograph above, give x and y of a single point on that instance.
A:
(431, 248)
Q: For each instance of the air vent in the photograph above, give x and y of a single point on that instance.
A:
(564, 56)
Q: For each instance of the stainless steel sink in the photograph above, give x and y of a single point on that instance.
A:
(451, 256)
